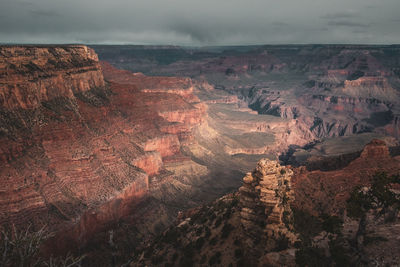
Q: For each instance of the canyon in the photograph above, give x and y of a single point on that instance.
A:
(279, 213)
(330, 90)
(122, 146)
(84, 144)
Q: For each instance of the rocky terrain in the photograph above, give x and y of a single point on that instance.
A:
(284, 216)
(245, 228)
(78, 153)
(329, 91)
(108, 158)
(86, 147)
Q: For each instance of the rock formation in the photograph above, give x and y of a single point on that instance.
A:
(82, 143)
(32, 75)
(78, 153)
(255, 226)
(328, 90)
(265, 197)
(321, 192)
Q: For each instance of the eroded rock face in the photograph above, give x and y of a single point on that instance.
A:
(265, 198)
(321, 192)
(329, 91)
(78, 154)
(33, 75)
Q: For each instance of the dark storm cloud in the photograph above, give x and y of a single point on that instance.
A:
(206, 22)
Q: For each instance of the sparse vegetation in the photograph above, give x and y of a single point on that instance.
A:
(282, 243)
(215, 259)
(226, 230)
(200, 242)
(311, 256)
(22, 248)
(195, 240)
(332, 224)
(306, 224)
(378, 197)
(238, 253)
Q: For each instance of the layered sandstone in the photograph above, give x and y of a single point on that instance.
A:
(265, 198)
(76, 153)
(329, 90)
(32, 75)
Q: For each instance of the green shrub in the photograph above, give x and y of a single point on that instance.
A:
(21, 248)
(171, 236)
(156, 260)
(311, 257)
(238, 253)
(215, 259)
(174, 257)
(199, 231)
(218, 222)
(338, 253)
(200, 242)
(306, 224)
(282, 243)
(207, 232)
(226, 230)
(213, 241)
(332, 224)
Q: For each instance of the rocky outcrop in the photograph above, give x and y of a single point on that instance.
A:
(256, 223)
(326, 115)
(31, 75)
(321, 192)
(166, 145)
(371, 87)
(265, 199)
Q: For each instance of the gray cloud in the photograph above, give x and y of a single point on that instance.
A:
(44, 13)
(340, 15)
(206, 22)
(348, 23)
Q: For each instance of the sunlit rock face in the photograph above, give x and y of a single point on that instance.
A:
(265, 198)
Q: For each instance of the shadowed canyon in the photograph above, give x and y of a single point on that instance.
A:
(128, 154)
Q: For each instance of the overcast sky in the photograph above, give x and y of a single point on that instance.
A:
(200, 22)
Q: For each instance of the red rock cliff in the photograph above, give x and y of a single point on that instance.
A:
(75, 153)
(32, 75)
(327, 191)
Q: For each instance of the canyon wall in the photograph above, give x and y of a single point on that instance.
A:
(77, 153)
(33, 75)
(328, 90)
(320, 192)
(89, 145)
(83, 144)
